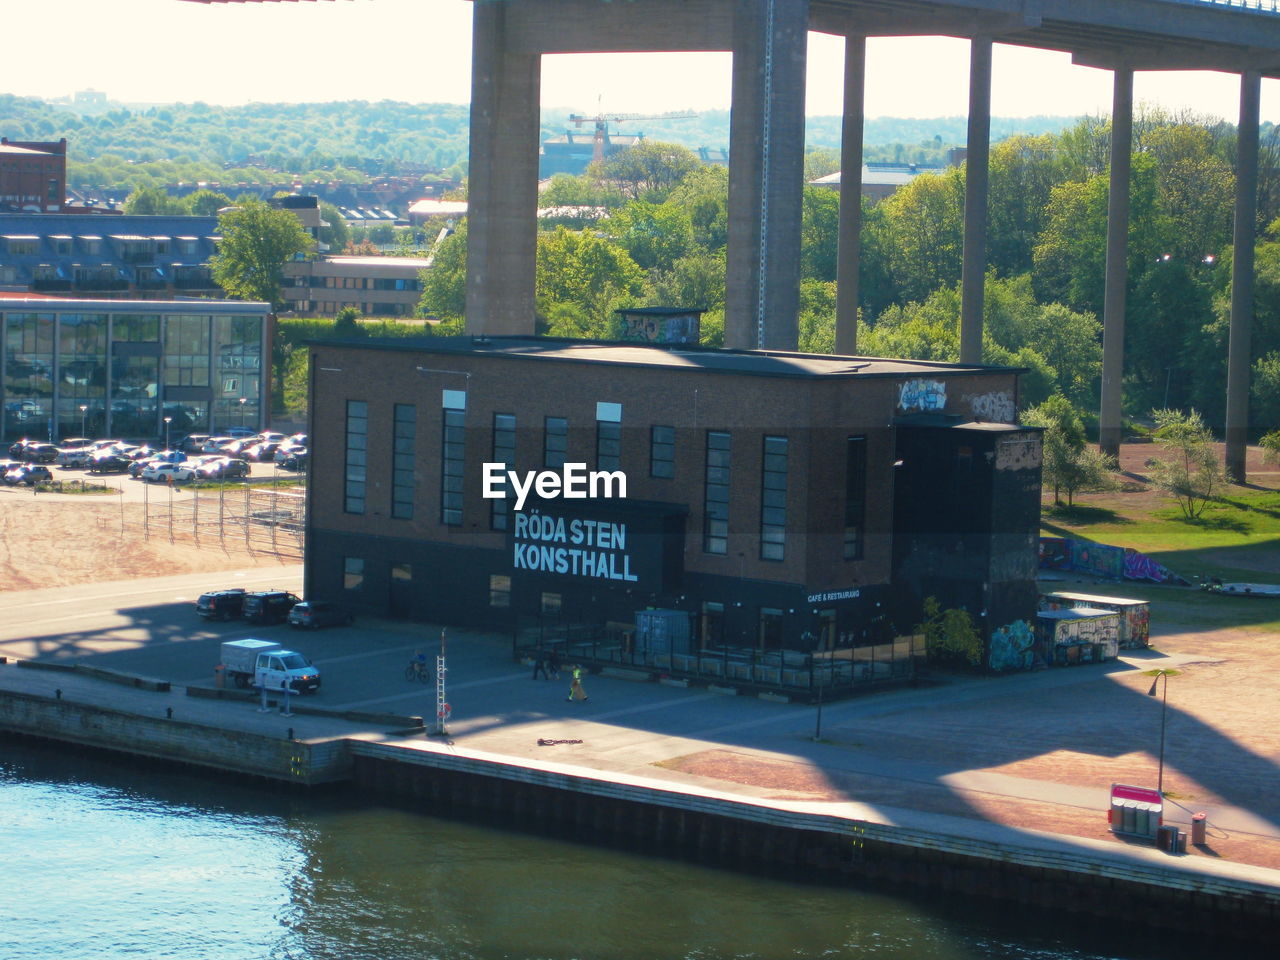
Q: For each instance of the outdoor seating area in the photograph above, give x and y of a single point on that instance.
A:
(826, 673)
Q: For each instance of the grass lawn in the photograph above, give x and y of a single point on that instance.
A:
(1236, 539)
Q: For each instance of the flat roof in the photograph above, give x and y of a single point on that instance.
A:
(768, 363)
(46, 304)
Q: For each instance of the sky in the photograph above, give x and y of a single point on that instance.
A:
(160, 51)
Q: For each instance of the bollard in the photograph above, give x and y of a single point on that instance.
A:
(220, 676)
(168, 713)
(1198, 829)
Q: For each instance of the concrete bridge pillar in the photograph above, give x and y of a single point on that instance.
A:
(849, 250)
(1113, 298)
(766, 173)
(502, 214)
(974, 262)
(1241, 330)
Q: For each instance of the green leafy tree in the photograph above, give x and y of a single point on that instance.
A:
(1265, 385)
(819, 233)
(1270, 444)
(207, 203)
(1070, 464)
(444, 283)
(1191, 472)
(950, 635)
(655, 235)
(704, 194)
(337, 232)
(347, 323)
(649, 169)
(696, 280)
(153, 201)
(922, 234)
(257, 241)
(817, 316)
(581, 280)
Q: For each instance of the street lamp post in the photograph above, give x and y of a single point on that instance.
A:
(167, 421)
(1164, 709)
(84, 409)
(242, 403)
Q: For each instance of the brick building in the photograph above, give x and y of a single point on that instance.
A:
(784, 506)
(33, 175)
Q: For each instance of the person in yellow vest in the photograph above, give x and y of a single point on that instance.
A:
(575, 688)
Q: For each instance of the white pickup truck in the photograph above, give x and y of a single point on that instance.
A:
(265, 664)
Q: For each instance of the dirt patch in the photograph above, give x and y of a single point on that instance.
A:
(47, 540)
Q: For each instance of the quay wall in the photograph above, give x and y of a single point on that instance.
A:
(163, 738)
(653, 816)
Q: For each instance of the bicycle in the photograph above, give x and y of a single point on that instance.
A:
(418, 670)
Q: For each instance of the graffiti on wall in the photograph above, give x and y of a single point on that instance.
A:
(1013, 647)
(1103, 560)
(929, 396)
(1020, 451)
(996, 406)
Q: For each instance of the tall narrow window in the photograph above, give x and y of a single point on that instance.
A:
(504, 452)
(404, 437)
(452, 462)
(715, 528)
(773, 499)
(357, 461)
(662, 452)
(608, 436)
(855, 496)
(555, 442)
(352, 573)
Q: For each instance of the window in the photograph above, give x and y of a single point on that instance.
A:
(401, 573)
(551, 604)
(855, 496)
(357, 461)
(555, 442)
(504, 452)
(352, 573)
(773, 499)
(499, 590)
(662, 452)
(770, 629)
(404, 435)
(715, 528)
(135, 328)
(608, 436)
(186, 351)
(452, 462)
(23, 246)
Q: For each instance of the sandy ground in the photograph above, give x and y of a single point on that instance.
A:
(49, 540)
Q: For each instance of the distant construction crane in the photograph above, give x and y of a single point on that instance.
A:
(602, 121)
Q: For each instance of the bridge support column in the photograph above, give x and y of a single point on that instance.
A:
(1117, 277)
(766, 173)
(1245, 233)
(502, 220)
(849, 250)
(974, 263)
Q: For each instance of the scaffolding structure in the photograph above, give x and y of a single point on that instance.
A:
(268, 519)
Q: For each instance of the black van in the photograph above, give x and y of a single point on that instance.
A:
(221, 604)
(268, 606)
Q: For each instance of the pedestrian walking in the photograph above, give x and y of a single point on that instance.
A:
(575, 688)
(540, 666)
(553, 665)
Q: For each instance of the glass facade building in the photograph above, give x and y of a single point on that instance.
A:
(115, 368)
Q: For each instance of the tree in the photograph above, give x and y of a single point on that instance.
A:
(949, 635)
(819, 233)
(581, 280)
(704, 194)
(153, 201)
(1070, 464)
(923, 232)
(206, 203)
(444, 283)
(649, 169)
(655, 235)
(1191, 473)
(1266, 387)
(1271, 448)
(336, 233)
(347, 323)
(257, 241)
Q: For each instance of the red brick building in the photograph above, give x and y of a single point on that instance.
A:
(788, 505)
(33, 175)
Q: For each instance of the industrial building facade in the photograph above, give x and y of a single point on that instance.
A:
(774, 502)
(118, 368)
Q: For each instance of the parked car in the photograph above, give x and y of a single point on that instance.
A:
(192, 442)
(214, 444)
(223, 468)
(160, 472)
(30, 474)
(74, 443)
(40, 453)
(262, 451)
(239, 433)
(314, 614)
(109, 463)
(77, 457)
(289, 446)
(270, 436)
(268, 606)
(220, 604)
(296, 460)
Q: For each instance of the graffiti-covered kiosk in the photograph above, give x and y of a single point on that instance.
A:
(770, 520)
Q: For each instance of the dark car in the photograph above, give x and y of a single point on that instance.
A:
(109, 463)
(40, 453)
(268, 606)
(315, 614)
(296, 461)
(221, 604)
